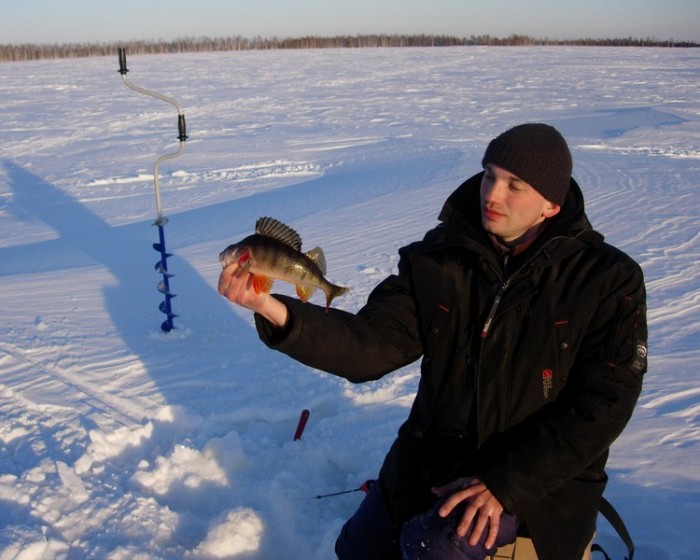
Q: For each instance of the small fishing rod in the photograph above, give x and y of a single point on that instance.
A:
(364, 488)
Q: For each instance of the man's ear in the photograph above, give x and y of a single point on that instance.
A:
(551, 210)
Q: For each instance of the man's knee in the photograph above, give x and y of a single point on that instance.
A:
(368, 534)
(431, 537)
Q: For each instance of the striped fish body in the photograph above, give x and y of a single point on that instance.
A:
(272, 253)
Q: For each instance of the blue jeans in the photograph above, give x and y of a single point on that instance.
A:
(369, 535)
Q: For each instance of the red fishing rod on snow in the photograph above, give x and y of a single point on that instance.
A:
(162, 265)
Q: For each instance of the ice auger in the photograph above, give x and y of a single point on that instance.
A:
(162, 264)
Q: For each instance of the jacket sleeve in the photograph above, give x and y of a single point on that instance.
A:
(383, 336)
(557, 444)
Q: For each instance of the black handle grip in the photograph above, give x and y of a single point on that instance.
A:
(122, 61)
(182, 128)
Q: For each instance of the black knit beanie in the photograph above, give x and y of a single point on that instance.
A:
(538, 154)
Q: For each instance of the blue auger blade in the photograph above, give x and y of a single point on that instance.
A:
(163, 253)
(160, 247)
(161, 270)
(167, 325)
(164, 290)
(164, 309)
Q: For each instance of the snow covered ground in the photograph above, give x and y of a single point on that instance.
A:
(118, 441)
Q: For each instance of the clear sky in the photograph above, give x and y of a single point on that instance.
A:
(63, 21)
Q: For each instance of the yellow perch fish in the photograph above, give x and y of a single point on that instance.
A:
(272, 253)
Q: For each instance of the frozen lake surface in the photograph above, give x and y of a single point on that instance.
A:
(120, 442)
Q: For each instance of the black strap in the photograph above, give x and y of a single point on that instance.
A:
(610, 513)
(598, 548)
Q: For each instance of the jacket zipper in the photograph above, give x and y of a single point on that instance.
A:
(494, 308)
(507, 282)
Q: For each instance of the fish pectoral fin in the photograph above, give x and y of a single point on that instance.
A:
(304, 292)
(262, 284)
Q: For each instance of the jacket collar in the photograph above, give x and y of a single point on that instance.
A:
(461, 216)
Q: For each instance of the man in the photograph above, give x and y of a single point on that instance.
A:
(532, 333)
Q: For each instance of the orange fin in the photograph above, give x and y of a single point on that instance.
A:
(304, 293)
(262, 284)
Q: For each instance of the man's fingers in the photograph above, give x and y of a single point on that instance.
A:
(224, 280)
(478, 529)
(474, 513)
(466, 521)
(453, 501)
(495, 525)
(480, 518)
(229, 282)
(481, 509)
(240, 270)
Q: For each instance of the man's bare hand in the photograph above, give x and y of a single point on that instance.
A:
(482, 508)
(236, 285)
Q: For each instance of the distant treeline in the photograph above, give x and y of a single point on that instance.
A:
(15, 52)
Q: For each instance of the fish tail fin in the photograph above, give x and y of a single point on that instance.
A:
(318, 258)
(334, 292)
(304, 292)
(262, 284)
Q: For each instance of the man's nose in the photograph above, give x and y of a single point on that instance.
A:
(494, 192)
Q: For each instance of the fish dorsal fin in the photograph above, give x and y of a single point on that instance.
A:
(269, 227)
(318, 258)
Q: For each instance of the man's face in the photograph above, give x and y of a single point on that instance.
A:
(510, 207)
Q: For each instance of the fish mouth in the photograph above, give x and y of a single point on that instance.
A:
(228, 255)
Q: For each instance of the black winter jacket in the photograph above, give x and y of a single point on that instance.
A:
(530, 369)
